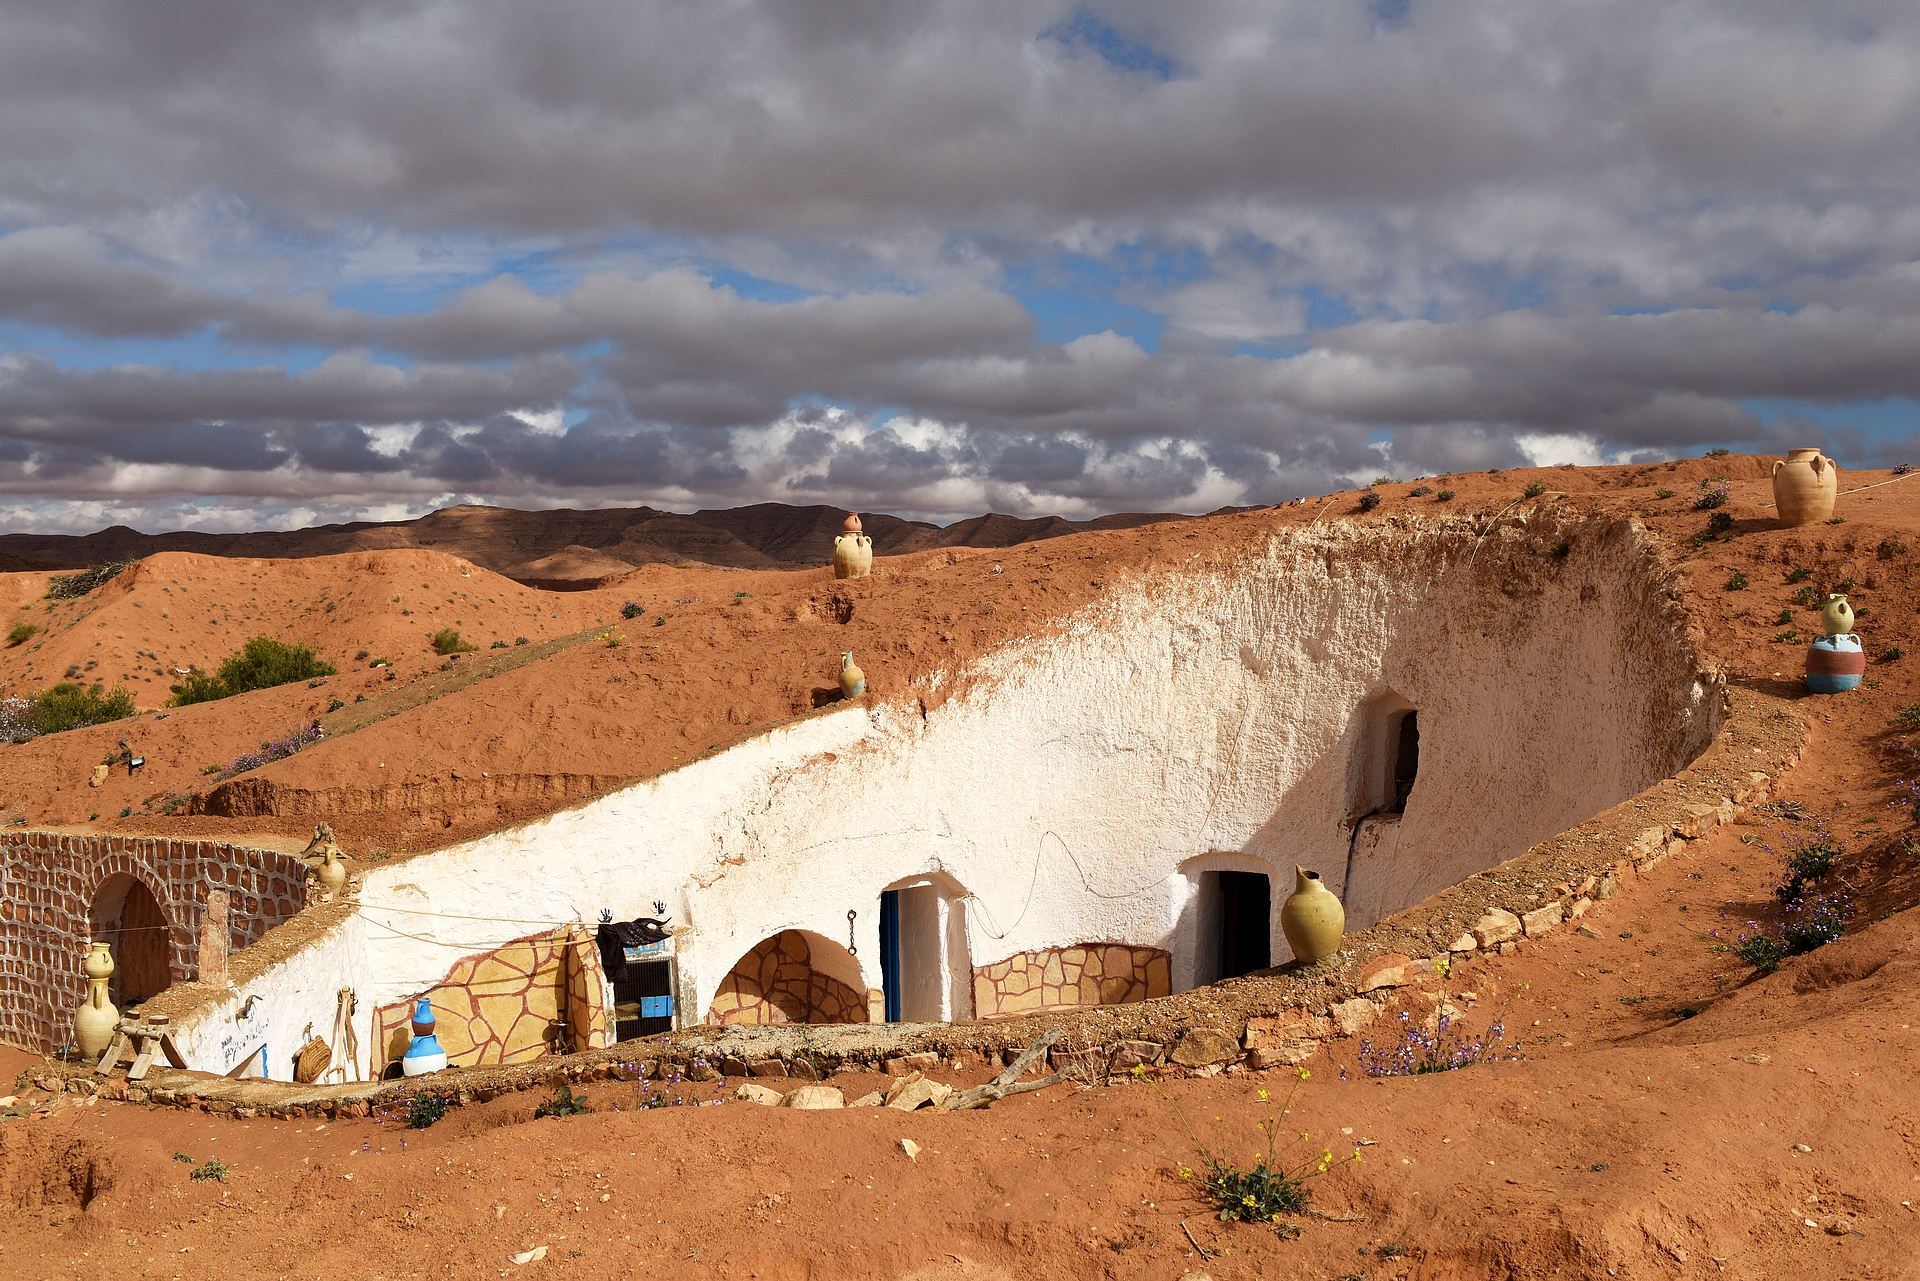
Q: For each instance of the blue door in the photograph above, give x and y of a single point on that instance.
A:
(890, 952)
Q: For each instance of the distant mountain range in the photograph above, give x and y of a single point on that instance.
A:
(564, 549)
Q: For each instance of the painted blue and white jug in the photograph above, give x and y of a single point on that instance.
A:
(425, 1054)
(1835, 664)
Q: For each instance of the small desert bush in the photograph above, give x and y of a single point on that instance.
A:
(1418, 1052)
(21, 633)
(1713, 493)
(1797, 575)
(1534, 490)
(1663, 493)
(274, 749)
(1270, 1189)
(1909, 717)
(563, 1103)
(426, 1109)
(1444, 496)
(214, 1168)
(69, 586)
(632, 609)
(1419, 491)
(1737, 583)
(1369, 500)
(68, 706)
(262, 663)
(447, 641)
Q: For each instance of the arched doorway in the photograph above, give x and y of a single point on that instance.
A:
(786, 979)
(127, 915)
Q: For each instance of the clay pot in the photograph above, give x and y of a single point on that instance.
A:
(332, 872)
(425, 1054)
(852, 554)
(853, 681)
(1836, 616)
(94, 1021)
(1804, 485)
(1835, 664)
(851, 525)
(1312, 919)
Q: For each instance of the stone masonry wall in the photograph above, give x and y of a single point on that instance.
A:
(1065, 977)
(48, 883)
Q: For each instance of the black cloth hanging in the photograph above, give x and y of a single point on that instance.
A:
(615, 937)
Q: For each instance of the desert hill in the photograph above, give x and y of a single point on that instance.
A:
(567, 549)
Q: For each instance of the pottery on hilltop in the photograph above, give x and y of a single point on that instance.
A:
(1805, 483)
(1835, 664)
(1836, 616)
(853, 681)
(1312, 919)
(852, 551)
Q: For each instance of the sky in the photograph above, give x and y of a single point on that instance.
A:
(265, 265)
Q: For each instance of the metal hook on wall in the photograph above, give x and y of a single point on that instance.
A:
(852, 950)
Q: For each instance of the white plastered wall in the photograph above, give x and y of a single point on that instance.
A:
(1194, 719)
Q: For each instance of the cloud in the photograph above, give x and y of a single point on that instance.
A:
(364, 255)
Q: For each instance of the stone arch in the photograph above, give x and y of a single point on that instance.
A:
(796, 976)
(130, 916)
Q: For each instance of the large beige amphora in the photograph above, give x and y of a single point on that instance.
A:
(1805, 484)
(852, 551)
(1313, 919)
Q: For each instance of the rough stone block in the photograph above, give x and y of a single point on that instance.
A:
(1700, 820)
(751, 1093)
(1465, 943)
(1578, 908)
(1607, 888)
(766, 1067)
(1127, 1055)
(1588, 932)
(1086, 1065)
(905, 1063)
(1204, 1045)
(1508, 949)
(1283, 1053)
(872, 1100)
(1351, 1016)
(813, 1098)
(1650, 838)
(1543, 920)
(1392, 970)
(1496, 927)
(917, 1092)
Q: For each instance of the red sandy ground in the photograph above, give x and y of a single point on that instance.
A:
(1631, 1141)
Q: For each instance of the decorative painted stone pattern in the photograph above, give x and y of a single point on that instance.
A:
(1064, 977)
(48, 885)
(776, 983)
(587, 1015)
(501, 1006)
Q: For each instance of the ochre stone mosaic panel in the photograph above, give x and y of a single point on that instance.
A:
(776, 983)
(501, 1006)
(1065, 977)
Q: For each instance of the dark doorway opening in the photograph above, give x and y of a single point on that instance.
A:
(1246, 923)
(126, 915)
(1406, 760)
(643, 999)
(890, 952)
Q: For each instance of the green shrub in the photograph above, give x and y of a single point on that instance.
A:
(1738, 583)
(426, 1109)
(262, 664)
(214, 1168)
(448, 641)
(1797, 576)
(1534, 490)
(21, 633)
(1444, 496)
(563, 1103)
(69, 706)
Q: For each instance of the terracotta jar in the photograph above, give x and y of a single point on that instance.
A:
(1313, 919)
(852, 551)
(1836, 616)
(1804, 486)
(94, 1021)
(1835, 664)
(853, 681)
(332, 872)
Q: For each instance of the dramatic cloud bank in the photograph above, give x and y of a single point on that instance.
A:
(267, 264)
